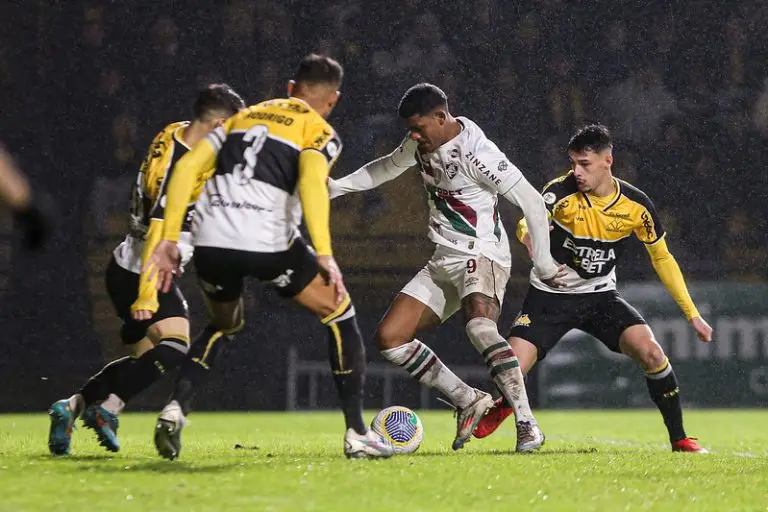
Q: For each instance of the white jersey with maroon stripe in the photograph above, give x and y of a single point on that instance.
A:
(464, 178)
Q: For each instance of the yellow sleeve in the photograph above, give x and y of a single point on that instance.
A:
(313, 192)
(671, 277)
(147, 299)
(193, 168)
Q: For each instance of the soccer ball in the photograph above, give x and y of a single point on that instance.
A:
(401, 427)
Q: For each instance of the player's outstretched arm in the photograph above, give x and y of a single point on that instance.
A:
(537, 228)
(491, 166)
(671, 276)
(376, 172)
(522, 226)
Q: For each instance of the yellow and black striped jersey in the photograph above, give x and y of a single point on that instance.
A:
(149, 191)
(590, 233)
(251, 202)
(146, 197)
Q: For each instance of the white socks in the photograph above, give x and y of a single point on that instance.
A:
(502, 364)
(423, 365)
(113, 404)
(77, 404)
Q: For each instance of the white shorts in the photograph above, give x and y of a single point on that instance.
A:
(451, 275)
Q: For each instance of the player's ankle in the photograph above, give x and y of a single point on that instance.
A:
(113, 404)
(77, 404)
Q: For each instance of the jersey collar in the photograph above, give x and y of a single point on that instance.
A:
(611, 202)
(177, 135)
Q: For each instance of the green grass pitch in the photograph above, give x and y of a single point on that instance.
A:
(593, 460)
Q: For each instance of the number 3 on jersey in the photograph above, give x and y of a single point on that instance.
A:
(254, 140)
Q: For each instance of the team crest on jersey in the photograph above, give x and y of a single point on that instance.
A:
(451, 170)
(522, 321)
(549, 197)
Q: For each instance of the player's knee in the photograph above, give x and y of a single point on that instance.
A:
(527, 353)
(325, 306)
(333, 312)
(389, 336)
(478, 305)
(174, 327)
(652, 356)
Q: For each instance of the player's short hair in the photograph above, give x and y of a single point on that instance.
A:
(421, 99)
(593, 137)
(217, 98)
(319, 69)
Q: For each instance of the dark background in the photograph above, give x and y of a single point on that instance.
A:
(84, 86)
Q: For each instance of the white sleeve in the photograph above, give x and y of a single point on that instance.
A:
(489, 165)
(530, 201)
(374, 173)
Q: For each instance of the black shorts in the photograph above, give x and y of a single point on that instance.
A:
(221, 271)
(123, 290)
(546, 317)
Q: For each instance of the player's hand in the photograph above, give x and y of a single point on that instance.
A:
(558, 280)
(702, 328)
(142, 315)
(333, 276)
(144, 308)
(164, 264)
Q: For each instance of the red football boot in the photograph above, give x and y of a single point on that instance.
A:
(687, 444)
(493, 420)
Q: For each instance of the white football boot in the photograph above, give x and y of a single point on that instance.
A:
(168, 431)
(468, 418)
(369, 445)
(529, 436)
